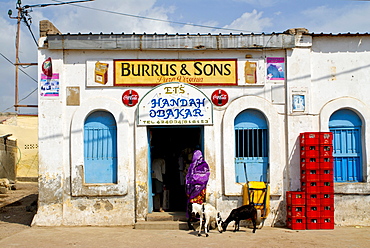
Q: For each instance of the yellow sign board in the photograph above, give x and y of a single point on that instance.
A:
(154, 72)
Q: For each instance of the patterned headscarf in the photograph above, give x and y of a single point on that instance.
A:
(198, 175)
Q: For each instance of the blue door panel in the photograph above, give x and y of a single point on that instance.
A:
(347, 155)
(251, 170)
(100, 148)
(347, 169)
(338, 172)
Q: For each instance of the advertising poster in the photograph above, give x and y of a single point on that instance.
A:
(196, 72)
(275, 68)
(298, 103)
(49, 86)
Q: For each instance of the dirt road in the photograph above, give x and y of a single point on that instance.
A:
(14, 216)
(15, 231)
(40, 237)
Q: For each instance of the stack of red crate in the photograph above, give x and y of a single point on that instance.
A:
(317, 179)
(296, 210)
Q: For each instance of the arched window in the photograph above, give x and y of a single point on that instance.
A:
(251, 146)
(346, 128)
(100, 148)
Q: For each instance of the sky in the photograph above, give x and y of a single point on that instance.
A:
(161, 16)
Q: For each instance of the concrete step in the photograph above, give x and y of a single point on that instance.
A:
(164, 221)
(166, 216)
(161, 225)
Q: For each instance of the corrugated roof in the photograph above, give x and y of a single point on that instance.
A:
(177, 41)
(339, 34)
(170, 41)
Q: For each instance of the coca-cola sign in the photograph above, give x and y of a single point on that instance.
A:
(220, 97)
(130, 98)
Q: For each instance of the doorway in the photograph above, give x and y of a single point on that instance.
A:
(175, 145)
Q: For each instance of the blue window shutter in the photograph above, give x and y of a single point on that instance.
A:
(346, 128)
(251, 147)
(100, 148)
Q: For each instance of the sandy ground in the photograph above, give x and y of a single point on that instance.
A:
(14, 216)
(124, 237)
(15, 231)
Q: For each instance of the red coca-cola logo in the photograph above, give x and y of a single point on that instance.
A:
(130, 98)
(220, 97)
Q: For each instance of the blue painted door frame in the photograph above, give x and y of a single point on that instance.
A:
(150, 147)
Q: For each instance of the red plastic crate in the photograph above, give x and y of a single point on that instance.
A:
(327, 199)
(310, 187)
(313, 211)
(313, 199)
(327, 223)
(310, 163)
(326, 175)
(313, 223)
(310, 176)
(296, 223)
(326, 150)
(296, 211)
(309, 138)
(326, 138)
(309, 151)
(296, 198)
(327, 210)
(326, 163)
(327, 187)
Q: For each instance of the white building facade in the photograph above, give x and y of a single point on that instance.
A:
(113, 100)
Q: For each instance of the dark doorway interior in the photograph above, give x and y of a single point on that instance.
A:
(173, 142)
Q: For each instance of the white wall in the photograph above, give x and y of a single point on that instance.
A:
(331, 75)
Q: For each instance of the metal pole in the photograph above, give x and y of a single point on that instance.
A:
(17, 57)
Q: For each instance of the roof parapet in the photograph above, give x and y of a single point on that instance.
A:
(46, 28)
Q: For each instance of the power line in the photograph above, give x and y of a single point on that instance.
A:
(53, 4)
(154, 19)
(19, 69)
(24, 98)
(23, 17)
(29, 94)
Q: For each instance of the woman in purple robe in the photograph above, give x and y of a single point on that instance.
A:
(197, 179)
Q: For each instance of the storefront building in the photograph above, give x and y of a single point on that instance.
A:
(108, 102)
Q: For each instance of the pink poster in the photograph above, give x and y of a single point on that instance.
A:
(49, 86)
(275, 68)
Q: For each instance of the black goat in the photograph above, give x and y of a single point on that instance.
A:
(241, 213)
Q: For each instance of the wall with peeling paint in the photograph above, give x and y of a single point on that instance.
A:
(330, 76)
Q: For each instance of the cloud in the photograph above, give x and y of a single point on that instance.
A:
(260, 3)
(331, 19)
(251, 22)
(108, 16)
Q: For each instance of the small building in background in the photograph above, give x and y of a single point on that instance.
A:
(21, 132)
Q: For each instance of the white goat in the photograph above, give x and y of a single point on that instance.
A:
(208, 212)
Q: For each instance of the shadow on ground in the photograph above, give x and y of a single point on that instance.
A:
(21, 211)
